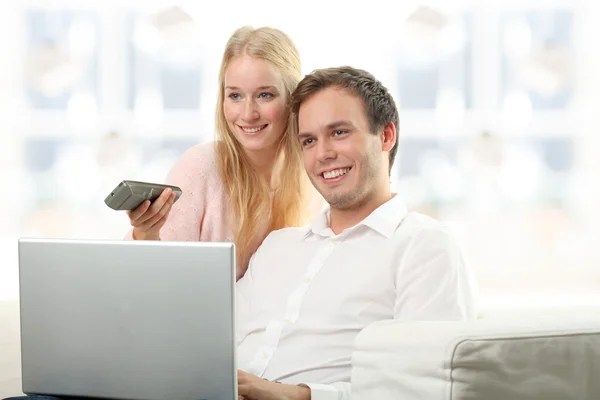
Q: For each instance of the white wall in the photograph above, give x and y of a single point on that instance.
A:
(523, 252)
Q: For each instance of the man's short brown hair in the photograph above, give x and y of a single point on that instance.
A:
(378, 102)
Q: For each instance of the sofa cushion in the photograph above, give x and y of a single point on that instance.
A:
(520, 358)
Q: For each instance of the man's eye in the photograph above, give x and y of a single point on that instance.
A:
(339, 132)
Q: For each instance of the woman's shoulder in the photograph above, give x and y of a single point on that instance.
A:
(199, 162)
(200, 154)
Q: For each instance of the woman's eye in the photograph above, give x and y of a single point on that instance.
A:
(265, 95)
(234, 96)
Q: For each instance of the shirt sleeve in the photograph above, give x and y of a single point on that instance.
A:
(434, 281)
(184, 221)
(334, 391)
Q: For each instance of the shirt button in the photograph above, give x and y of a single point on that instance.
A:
(288, 321)
(307, 279)
(264, 355)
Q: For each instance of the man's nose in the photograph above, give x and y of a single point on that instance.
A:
(325, 150)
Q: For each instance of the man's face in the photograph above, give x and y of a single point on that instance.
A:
(343, 159)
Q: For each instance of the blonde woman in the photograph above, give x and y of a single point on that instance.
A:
(250, 180)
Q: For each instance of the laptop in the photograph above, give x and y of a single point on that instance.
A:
(130, 320)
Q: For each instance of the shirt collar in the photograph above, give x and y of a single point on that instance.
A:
(384, 220)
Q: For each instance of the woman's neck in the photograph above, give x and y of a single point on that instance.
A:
(263, 162)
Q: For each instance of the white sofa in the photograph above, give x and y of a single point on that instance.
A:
(517, 355)
(508, 356)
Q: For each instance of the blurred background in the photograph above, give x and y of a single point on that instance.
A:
(499, 110)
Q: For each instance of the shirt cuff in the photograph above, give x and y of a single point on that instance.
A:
(322, 392)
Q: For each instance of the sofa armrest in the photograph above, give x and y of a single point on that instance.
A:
(521, 358)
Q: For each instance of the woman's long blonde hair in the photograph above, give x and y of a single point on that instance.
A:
(248, 190)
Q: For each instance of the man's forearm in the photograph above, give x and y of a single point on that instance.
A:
(291, 392)
(252, 387)
(299, 392)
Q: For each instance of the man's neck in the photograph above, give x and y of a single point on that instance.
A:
(341, 219)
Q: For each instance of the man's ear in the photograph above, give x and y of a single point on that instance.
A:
(388, 137)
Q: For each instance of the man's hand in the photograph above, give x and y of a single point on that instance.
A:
(252, 387)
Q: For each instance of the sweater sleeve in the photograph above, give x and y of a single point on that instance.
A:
(193, 173)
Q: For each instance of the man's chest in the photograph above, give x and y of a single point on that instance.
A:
(327, 281)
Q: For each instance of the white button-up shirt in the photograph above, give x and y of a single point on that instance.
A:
(308, 293)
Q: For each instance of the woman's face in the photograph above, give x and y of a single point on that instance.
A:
(255, 104)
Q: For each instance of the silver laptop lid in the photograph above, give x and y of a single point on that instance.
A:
(128, 319)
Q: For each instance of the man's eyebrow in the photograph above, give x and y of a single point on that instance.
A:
(338, 124)
(329, 126)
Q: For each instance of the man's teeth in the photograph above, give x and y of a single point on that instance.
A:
(253, 130)
(335, 173)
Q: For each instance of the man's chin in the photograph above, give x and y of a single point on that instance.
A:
(340, 201)
(334, 196)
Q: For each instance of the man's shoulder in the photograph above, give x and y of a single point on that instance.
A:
(284, 236)
(424, 227)
(280, 241)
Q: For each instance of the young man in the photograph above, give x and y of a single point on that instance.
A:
(309, 292)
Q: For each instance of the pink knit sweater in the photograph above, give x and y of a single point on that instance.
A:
(202, 213)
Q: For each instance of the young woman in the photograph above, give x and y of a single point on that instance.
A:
(251, 179)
